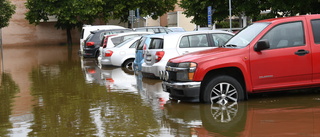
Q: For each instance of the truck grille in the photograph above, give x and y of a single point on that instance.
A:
(172, 74)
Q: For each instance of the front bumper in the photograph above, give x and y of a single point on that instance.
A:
(184, 91)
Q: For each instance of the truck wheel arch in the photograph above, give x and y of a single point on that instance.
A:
(234, 72)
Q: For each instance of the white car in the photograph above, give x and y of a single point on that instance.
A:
(166, 46)
(109, 41)
(86, 29)
(121, 55)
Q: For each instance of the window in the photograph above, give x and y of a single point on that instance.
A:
(286, 35)
(156, 44)
(220, 39)
(140, 43)
(134, 45)
(194, 41)
(316, 30)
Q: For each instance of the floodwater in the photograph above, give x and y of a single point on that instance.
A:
(48, 91)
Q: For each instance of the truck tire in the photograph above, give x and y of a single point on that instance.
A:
(222, 89)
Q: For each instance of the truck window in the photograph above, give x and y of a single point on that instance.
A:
(285, 35)
(316, 30)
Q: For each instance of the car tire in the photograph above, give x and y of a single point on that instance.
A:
(222, 89)
(127, 66)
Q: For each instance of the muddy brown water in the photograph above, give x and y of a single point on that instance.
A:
(48, 91)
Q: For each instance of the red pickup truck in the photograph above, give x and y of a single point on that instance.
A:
(268, 55)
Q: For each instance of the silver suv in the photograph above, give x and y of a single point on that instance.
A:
(166, 46)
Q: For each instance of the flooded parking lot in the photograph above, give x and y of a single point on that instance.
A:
(50, 91)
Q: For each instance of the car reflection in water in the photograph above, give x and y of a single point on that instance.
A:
(91, 71)
(151, 90)
(292, 116)
(116, 79)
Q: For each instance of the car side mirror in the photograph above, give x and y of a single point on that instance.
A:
(262, 45)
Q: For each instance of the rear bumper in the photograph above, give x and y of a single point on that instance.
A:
(152, 69)
(89, 52)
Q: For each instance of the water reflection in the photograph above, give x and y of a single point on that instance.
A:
(8, 89)
(277, 116)
(50, 95)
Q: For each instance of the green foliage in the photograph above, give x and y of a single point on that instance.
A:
(6, 11)
(70, 13)
(74, 13)
(226, 24)
(120, 9)
(251, 8)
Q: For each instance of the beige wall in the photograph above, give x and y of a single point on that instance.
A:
(185, 22)
(21, 33)
(175, 18)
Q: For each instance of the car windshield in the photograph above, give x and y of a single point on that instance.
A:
(245, 36)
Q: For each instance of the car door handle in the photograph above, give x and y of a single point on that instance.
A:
(301, 52)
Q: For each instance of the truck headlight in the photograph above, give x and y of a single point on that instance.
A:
(185, 71)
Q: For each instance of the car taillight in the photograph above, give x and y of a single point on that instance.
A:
(108, 53)
(91, 71)
(104, 43)
(159, 55)
(144, 49)
(90, 44)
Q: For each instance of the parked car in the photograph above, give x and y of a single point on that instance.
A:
(93, 41)
(109, 41)
(166, 46)
(120, 55)
(155, 29)
(268, 55)
(85, 32)
(142, 44)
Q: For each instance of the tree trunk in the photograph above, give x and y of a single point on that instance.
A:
(69, 39)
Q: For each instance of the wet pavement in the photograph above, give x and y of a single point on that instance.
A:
(48, 91)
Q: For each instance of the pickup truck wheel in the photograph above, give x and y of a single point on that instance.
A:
(222, 89)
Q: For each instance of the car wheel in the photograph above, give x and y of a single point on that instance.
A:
(222, 89)
(127, 66)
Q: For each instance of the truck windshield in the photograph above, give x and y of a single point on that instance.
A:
(245, 36)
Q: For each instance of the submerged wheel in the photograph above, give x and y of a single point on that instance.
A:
(127, 66)
(223, 89)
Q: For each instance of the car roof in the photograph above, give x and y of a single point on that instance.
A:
(103, 30)
(130, 33)
(285, 18)
(178, 34)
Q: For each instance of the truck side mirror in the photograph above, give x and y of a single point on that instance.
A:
(261, 45)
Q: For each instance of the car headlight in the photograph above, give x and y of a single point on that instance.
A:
(185, 71)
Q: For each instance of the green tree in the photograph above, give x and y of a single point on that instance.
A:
(70, 14)
(120, 9)
(251, 8)
(73, 14)
(6, 11)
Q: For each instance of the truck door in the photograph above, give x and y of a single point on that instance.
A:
(287, 63)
